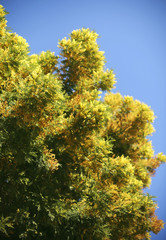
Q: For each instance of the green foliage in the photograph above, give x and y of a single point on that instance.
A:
(4, 224)
(71, 166)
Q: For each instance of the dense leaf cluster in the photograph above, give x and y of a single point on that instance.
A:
(72, 166)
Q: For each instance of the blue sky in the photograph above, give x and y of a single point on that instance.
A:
(133, 36)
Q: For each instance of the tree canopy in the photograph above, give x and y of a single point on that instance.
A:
(72, 165)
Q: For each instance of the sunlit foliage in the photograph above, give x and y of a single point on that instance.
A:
(72, 166)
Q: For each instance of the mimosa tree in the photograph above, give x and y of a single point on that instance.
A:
(72, 166)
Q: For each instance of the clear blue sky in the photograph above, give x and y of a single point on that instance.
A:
(133, 36)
